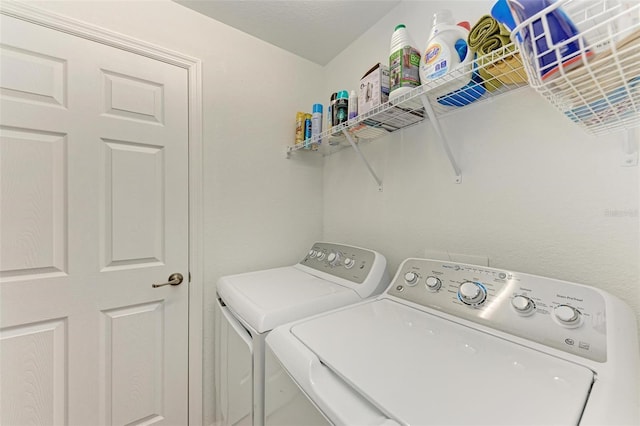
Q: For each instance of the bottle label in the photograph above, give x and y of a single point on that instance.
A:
(307, 128)
(436, 61)
(341, 109)
(299, 127)
(404, 68)
(316, 127)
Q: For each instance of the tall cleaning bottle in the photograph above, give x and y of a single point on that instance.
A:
(316, 126)
(404, 63)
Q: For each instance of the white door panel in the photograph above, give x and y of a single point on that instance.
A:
(94, 209)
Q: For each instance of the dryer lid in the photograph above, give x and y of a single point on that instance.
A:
(418, 368)
(268, 298)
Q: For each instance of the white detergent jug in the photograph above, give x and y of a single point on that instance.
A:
(447, 49)
(404, 64)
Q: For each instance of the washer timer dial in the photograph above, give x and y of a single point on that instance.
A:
(334, 258)
(472, 293)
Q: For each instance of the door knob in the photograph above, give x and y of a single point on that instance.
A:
(174, 279)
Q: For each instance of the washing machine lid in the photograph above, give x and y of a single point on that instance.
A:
(418, 368)
(265, 299)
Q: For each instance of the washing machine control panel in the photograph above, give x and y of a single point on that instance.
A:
(351, 263)
(566, 316)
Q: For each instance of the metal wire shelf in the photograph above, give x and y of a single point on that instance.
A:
(491, 75)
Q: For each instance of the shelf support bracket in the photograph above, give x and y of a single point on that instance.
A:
(364, 160)
(631, 148)
(443, 140)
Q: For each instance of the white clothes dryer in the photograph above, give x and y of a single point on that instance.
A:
(250, 305)
(456, 344)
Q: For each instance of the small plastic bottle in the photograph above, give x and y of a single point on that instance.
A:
(316, 126)
(331, 111)
(307, 131)
(299, 127)
(334, 111)
(353, 105)
(342, 107)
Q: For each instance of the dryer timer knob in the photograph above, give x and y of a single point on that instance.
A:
(333, 258)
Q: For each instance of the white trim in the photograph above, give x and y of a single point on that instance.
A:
(193, 66)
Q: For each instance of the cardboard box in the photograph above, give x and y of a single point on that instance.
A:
(374, 88)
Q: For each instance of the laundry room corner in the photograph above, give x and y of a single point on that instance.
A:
(537, 193)
(508, 182)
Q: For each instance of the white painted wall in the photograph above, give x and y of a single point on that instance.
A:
(261, 210)
(537, 195)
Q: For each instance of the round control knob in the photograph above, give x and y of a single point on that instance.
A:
(523, 305)
(433, 283)
(567, 315)
(471, 293)
(312, 253)
(333, 258)
(411, 278)
(321, 255)
(349, 262)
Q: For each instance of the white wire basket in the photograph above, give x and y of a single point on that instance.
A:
(592, 73)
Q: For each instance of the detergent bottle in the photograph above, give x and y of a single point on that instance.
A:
(404, 63)
(446, 49)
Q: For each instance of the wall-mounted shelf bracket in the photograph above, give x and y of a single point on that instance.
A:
(443, 140)
(364, 160)
(630, 148)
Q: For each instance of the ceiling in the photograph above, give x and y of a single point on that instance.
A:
(316, 30)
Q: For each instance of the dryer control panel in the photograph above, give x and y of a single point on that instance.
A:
(566, 316)
(351, 263)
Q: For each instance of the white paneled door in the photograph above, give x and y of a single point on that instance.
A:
(94, 210)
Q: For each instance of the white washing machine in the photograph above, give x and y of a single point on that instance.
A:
(250, 305)
(456, 344)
